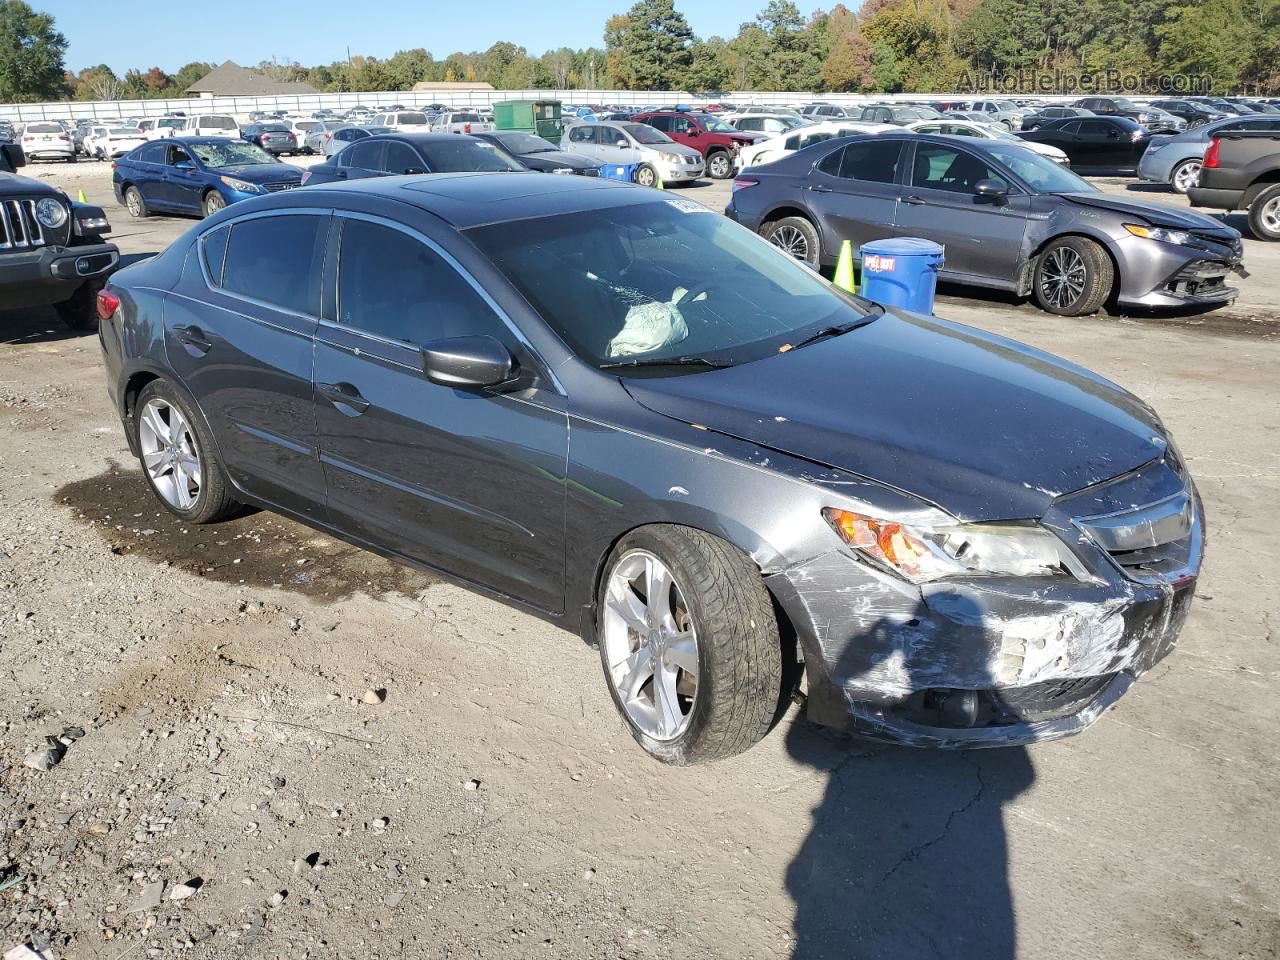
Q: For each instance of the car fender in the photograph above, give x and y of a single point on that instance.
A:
(1064, 221)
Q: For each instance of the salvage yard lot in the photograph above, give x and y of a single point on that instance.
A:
(494, 805)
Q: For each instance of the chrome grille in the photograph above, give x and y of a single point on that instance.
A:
(1152, 542)
(19, 228)
(277, 187)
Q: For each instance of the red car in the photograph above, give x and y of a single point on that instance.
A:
(718, 142)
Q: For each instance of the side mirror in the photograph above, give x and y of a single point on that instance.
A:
(13, 155)
(184, 165)
(621, 143)
(475, 361)
(412, 170)
(991, 189)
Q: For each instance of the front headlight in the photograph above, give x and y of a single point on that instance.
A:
(921, 554)
(242, 185)
(51, 213)
(1161, 233)
(671, 157)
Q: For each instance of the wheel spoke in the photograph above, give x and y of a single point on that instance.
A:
(155, 462)
(635, 670)
(666, 701)
(682, 652)
(657, 591)
(152, 421)
(624, 602)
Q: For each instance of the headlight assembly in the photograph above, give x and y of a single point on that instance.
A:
(1161, 233)
(242, 185)
(51, 213)
(922, 554)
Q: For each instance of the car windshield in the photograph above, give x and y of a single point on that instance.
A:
(44, 128)
(1124, 103)
(230, 153)
(716, 125)
(171, 122)
(411, 118)
(643, 133)
(274, 128)
(124, 131)
(464, 155)
(1040, 172)
(525, 143)
(663, 280)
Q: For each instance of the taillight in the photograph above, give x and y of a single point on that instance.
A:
(1211, 155)
(108, 304)
(27, 139)
(741, 183)
(113, 164)
(467, 129)
(64, 139)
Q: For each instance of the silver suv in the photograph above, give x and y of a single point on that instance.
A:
(659, 157)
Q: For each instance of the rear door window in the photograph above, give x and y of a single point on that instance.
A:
(872, 162)
(401, 158)
(277, 260)
(363, 155)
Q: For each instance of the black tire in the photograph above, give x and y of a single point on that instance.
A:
(213, 501)
(1086, 265)
(212, 203)
(1178, 182)
(720, 165)
(795, 236)
(1264, 214)
(135, 203)
(739, 649)
(71, 159)
(80, 310)
(646, 175)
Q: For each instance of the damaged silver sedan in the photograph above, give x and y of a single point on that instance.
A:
(634, 418)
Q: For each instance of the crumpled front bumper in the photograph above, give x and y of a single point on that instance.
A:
(1157, 274)
(979, 662)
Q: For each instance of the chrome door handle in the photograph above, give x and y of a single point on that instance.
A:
(193, 336)
(343, 394)
(819, 188)
(913, 199)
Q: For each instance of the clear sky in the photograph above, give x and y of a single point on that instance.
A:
(170, 33)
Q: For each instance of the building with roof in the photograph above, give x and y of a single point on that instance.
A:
(424, 86)
(232, 80)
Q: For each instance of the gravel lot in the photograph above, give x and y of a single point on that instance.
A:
(280, 746)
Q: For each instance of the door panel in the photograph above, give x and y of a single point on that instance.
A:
(858, 209)
(468, 481)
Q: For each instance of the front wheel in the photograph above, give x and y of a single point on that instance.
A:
(689, 644)
(178, 457)
(795, 236)
(1185, 176)
(213, 202)
(720, 166)
(646, 176)
(1073, 277)
(1264, 214)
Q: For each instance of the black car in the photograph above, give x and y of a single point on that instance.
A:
(51, 249)
(1193, 113)
(1098, 143)
(1008, 219)
(396, 154)
(626, 415)
(539, 154)
(1044, 114)
(275, 138)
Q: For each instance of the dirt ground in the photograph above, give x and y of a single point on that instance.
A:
(227, 791)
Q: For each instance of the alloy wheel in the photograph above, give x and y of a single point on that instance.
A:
(1062, 277)
(1186, 177)
(169, 453)
(720, 167)
(646, 177)
(650, 645)
(1269, 216)
(213, 203)
(134, 204)
(790, 240)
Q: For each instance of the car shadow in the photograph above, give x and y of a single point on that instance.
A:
(906, 855)
(1147, 186)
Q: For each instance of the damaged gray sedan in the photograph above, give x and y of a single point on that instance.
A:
(633, 418)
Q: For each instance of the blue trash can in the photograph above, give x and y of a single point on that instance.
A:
(901, 272)
(619, 171)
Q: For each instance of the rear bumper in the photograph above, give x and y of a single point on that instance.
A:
(1152, 168)
(1218, 199)
(52, 274)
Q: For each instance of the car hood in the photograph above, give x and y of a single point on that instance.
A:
(1155, 213)
(673, 147)
(260, 172)
(11, 183)
(550, 159)
(983, 427)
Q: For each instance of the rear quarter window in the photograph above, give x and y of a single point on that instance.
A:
(213, 248)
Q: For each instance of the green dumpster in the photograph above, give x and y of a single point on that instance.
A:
(535, 116)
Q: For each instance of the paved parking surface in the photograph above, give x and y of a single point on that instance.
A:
(1153, 835)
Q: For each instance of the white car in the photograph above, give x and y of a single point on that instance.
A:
(986, 131)
(404, 121)
(47, 140)
(209, 125)
(300, 127)
(157, 128)
(656, 157)
(770, 124)
(461, 121)
(107, 143)
(775, 148)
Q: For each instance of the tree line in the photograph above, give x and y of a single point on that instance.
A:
(885, 46)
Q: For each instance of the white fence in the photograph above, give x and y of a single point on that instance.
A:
(242, 106)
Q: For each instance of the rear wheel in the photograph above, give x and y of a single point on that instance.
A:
(1184, 176)
(1264, 214)
(1073, 277)
(177, 456)
(689, 644)
(134, 203)
(213, 202)
(795, 236)
(720, 165)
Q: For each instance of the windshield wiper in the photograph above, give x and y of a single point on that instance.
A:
(666, 362)
(835, 331)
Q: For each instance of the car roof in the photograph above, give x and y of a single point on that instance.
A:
(467, 200)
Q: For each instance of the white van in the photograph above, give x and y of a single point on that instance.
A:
(209, 125)
(404, 121)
